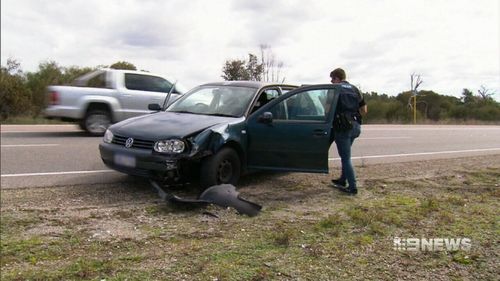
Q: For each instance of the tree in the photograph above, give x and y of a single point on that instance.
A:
(49, 73)
(468, 97)
(123, 65)
(234, 70)
(266, 68)
(15, 97)
(415, 81)
(253, 68)
(271, 66)
(484, 93)
(435, 106)
(242, 69)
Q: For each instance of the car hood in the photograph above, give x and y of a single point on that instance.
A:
(164, 125)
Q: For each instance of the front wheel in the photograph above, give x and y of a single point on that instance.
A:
(96, 122)
(223, 167)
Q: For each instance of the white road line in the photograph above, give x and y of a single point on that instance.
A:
(27, 145)
(31, 132)
(38, 125)
(56, 173)
(420, 153)
(429, 129)
(330, 159)
(384, 138)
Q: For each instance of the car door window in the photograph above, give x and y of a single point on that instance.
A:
(265, 97)
(272, 94)
(312, 105)
(146, 83)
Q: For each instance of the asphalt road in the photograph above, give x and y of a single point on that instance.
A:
(60, 155)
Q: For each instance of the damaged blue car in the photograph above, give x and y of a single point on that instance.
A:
(216, 132)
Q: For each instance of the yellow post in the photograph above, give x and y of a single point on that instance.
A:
(414, 109)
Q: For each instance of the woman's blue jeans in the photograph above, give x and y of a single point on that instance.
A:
(344, 140)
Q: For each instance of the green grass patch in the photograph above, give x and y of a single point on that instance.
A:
(13, 225)
(31, 250)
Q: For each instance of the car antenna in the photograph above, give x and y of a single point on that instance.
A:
(165, 102)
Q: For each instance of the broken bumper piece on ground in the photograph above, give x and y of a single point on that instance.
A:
(224, 195)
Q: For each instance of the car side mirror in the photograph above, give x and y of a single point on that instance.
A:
(154, 107)
(266, 118)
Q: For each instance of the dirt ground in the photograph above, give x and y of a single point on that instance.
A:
(306, 230)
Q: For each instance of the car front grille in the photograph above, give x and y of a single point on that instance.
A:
(138, 143)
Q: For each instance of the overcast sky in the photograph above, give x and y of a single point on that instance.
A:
(452, 44)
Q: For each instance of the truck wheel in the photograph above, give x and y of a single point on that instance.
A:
(96, 122)
(223, 167)
(81, 124)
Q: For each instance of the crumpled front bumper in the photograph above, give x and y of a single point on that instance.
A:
(138, 162)
(224, 195)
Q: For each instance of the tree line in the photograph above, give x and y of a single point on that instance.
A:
(24, 93)
(432, 107)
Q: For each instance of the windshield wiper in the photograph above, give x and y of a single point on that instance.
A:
(202, 113)
(221, 114)
(184, 111)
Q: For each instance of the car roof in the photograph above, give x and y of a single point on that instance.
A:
(179, 86)
(132, 71)
(249, 84)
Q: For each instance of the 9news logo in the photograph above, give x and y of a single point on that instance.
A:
(431, 244)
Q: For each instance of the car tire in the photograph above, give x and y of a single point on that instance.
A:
(223, 167)
(96, 122)
(81, 124)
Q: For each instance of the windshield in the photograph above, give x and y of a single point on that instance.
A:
(215, 100)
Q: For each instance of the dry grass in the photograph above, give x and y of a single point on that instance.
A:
(306, 231)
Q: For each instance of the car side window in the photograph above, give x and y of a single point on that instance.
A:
(265, 97)
(312, 105)
(146, 83)
(272, 94)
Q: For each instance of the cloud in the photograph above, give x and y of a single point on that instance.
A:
(148, 37)
(399, 35)
(273, 22)
(359, 50)
(453, 45)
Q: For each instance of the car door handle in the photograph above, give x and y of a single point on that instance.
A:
(320, 132)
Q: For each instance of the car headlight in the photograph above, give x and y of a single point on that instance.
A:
(108, 136)
(170, 146)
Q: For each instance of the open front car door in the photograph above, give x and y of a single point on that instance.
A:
(292, 132)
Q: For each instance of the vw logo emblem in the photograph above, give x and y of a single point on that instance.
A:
(129, 142)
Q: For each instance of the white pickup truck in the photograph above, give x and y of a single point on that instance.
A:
(105, 96)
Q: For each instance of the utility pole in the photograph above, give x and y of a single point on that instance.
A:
(414, 109)
(415, 80)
